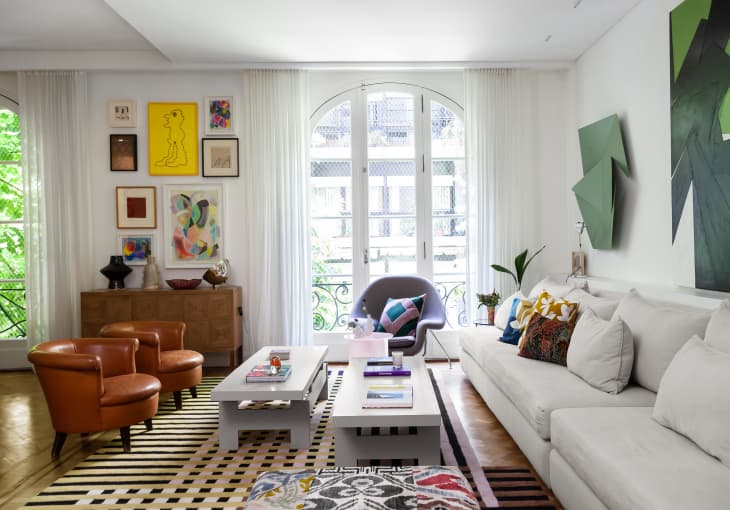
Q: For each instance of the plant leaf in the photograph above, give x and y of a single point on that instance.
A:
(520, 266)
(533, 256)
(503, 269)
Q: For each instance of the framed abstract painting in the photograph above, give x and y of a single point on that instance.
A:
(193, 217)
(136, 207)
(220, 157)
(135, 247)
(173, 138)
(218, 115)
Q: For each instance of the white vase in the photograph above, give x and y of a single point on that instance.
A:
(151, 278)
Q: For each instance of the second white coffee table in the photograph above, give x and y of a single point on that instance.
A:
(423, 419)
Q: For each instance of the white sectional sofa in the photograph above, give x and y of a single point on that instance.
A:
(599, 450)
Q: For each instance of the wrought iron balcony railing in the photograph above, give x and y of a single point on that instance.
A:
(12, 309)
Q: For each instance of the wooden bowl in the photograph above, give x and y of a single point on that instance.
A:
(183, 284)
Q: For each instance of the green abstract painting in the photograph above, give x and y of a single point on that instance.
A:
(601, 150)
(700, 173)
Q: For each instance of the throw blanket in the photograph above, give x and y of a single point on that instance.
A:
(442, 487)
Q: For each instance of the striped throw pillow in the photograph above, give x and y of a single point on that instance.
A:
(400, 316)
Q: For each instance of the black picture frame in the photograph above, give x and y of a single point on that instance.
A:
(220, 157)
(123, 153)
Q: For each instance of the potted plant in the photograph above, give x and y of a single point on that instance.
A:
(490, 301)
(521, 263)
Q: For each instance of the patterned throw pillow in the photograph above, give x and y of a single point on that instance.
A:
(400, 316)
(511, 335)
(547, 339)
(552, 308)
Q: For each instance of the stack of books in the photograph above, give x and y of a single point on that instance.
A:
(388, 396)
(384, 367)
(262, 373)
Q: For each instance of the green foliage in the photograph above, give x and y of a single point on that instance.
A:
(521, 263)
(488, 299)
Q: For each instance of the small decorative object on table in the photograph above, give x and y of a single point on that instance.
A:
(274, 365)
(218, 273)
(151, 278)
(183, 284)
(116, 271)
(490, 301)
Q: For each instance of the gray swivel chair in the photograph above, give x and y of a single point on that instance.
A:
(377, 293)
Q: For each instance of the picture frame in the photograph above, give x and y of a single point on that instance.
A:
(136, 207)
(132, 246)
(218, 115)
(578, 263)
(123, 153)
(172, 130)
(194, 221)
(122, 113)
(220, 157)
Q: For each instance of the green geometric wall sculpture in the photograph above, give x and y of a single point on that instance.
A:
(601, 148)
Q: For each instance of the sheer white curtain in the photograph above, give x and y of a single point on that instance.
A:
(500, 107)
(53, 124)
(277, 276)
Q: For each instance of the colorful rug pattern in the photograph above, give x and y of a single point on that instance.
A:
(178, 465)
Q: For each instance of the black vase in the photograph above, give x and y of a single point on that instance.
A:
(116, 271)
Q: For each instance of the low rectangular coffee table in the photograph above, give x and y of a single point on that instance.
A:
(423, 419)
(306, 384)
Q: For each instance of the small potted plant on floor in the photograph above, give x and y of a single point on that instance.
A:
(490, 301)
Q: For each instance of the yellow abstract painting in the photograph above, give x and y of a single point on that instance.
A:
(173, 138)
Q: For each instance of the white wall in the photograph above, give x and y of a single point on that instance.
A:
(627, 72)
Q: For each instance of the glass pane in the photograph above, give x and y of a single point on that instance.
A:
(392, 246)
(390, 126)
(11, 192)
(12, 262)
(332, 137)
(9, 136)
(12, 310)
(447, 132)
(332, 246)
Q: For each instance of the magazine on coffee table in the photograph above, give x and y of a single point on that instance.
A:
(388, 395)
(262, 373)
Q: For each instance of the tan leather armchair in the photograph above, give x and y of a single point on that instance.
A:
(162, 354)
(91, 384)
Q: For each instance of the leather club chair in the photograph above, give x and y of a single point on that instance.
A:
(162, 354)
(91, 385)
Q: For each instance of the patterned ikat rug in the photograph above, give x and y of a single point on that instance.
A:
(177, 464)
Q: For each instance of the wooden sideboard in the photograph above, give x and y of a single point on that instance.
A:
(213, 316)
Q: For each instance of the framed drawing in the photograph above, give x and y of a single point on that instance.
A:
(193, 217)
(135, 247)
(173, 138)
(220, 157)
(123, 153)
(578, 265)
(136, 207)
(218, 115)
(122, 113)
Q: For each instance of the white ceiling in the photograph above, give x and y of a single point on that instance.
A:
(230, 32)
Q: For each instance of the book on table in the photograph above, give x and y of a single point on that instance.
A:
(385, 370)
(388, 395)
(385, 360)
(262, 373)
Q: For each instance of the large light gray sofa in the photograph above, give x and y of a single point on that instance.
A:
(595, 449)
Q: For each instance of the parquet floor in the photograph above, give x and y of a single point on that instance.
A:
(26, 434)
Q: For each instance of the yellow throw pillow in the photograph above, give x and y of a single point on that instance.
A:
(551, 308)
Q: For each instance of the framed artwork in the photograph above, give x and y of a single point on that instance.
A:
(220, 157)
(123, 153)
(135, 247)
(193, 216)
(122, 113)
(578, 264)
(136, 207)
(173, 138)
(219, 115)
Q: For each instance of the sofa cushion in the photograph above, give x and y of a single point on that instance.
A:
(546, 339)
(538, 388)
(553, 287)
(693, 397)
(551, 307)
(660, 330)
(511, 335)
(632, 462)
(602, 306)
(482, 343)
(501, 315)
(717, 334)
(400, 316)
(601, 352)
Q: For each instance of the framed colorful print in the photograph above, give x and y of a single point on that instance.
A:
(193, 216)
(122, 113)
(135, 247)
(136, 207)
(173, 138)
(219, 115)
(220, 157)
(123, 153)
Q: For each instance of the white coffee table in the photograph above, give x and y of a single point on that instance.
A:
(348, 415)
(306, 384)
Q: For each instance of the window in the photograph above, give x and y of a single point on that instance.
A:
(12, 249)
(388, 195)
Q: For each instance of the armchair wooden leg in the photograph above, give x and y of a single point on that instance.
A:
(177, 395)
(194, 391)
(58, 444)
(126, 439)
(148, 423)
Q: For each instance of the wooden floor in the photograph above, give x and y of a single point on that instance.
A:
(26, 434)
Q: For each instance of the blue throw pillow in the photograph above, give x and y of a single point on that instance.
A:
(511, 335)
